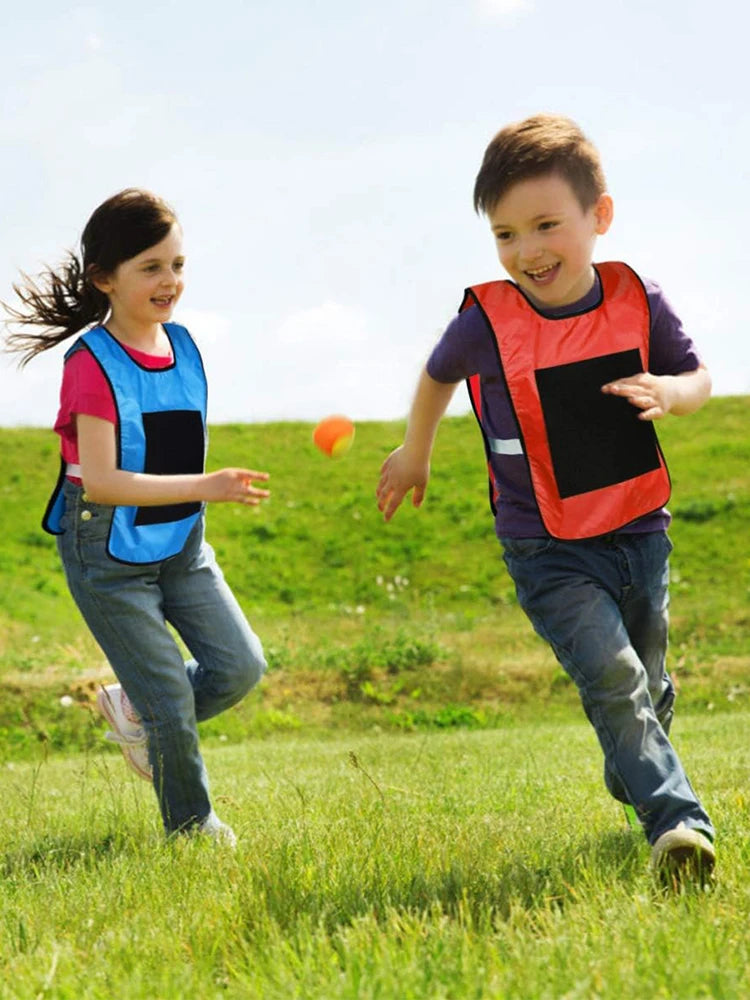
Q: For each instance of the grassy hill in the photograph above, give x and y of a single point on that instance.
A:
(410, 624)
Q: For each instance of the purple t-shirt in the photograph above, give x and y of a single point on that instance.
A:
(468, 347)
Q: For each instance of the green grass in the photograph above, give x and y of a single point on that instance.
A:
(410, 625)
(419, 803)
(482, 864)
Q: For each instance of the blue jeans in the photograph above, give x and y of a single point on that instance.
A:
(602, 605)
(127, 609)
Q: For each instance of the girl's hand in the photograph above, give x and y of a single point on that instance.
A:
(398, 474)
(235, 485)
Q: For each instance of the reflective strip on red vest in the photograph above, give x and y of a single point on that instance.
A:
(594, 466)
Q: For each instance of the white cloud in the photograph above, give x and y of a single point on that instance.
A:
(206, 327)
(314, 329)
(504, 8)
(29, 397)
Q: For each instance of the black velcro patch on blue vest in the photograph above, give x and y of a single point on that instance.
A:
(596, 440)
(175, 445)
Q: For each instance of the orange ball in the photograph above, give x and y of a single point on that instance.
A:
(334, 435)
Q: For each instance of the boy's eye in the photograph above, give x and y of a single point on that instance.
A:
(503, 236)
(547, 225)
(178, 265)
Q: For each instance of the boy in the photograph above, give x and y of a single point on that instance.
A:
(568, 365)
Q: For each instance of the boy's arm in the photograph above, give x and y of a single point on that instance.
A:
(658, 395)
(409, 466)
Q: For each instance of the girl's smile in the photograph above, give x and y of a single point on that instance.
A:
(144, 290)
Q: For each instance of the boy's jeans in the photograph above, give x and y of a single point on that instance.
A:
(127, 609)
(602, 606)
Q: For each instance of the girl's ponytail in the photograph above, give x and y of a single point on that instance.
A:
(62, 302)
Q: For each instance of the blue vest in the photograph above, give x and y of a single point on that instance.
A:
(161, 430)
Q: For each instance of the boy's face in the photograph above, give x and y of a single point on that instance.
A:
(545, 239)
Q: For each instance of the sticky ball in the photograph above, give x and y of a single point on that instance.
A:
(334, 435)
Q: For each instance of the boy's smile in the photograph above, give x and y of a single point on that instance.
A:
(545, 239)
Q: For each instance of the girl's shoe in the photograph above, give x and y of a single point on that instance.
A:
(213, 827)
(127, 729)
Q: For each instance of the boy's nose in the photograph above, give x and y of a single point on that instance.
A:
(529, 251)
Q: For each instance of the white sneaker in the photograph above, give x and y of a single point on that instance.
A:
(682, 855)
(213, 827)
(128, 732)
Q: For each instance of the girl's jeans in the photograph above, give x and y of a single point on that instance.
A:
(602, 605)
(127, 609)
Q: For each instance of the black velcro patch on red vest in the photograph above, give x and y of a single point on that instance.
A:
(596, 440)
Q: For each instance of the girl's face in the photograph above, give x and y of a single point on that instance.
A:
(144, 290)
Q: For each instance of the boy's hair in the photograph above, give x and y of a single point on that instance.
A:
(64, 301)
(541, 144)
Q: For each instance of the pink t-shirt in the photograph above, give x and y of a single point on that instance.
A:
(85, 390)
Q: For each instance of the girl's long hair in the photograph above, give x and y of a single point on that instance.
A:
(62, 302)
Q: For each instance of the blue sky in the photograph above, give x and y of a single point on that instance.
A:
(321, 156)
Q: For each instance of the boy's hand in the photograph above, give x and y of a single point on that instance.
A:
(654, 395)
(657, 395)
(398, 474)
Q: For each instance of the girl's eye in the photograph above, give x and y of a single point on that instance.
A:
(179, 265)
(503, 237)
(547, 225)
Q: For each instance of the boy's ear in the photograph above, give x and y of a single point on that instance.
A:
(604, 211)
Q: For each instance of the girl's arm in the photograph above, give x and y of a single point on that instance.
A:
(105, 483)
(409, 466)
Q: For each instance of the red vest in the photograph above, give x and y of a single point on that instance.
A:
(594, 465)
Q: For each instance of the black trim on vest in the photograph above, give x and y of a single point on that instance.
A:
(54, 498)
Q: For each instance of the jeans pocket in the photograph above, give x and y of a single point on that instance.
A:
(526, 548)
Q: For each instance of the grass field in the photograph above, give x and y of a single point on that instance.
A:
(419, 803)
(467, 864)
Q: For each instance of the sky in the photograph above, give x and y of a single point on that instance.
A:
(321, 156)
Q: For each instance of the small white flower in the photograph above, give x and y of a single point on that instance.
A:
(66, 701)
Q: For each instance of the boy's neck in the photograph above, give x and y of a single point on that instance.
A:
(587, 301)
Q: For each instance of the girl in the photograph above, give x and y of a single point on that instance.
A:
(128, 507)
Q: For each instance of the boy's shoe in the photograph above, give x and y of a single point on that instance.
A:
(115, 706)
(683, 855)
(213, 827)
